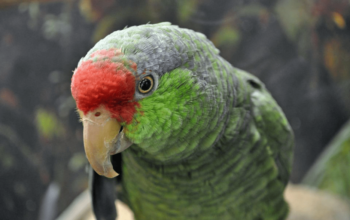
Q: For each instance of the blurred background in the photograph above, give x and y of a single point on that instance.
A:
(299, 48)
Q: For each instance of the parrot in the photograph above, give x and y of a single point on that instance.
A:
(196, 138)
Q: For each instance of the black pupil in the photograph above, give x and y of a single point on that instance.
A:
(145, 84)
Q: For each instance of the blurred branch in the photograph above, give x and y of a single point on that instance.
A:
(8, 3)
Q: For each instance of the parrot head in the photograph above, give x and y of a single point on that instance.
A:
(147, 88)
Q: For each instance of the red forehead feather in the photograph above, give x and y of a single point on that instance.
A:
(105, 82)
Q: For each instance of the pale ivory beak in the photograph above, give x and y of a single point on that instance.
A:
(102, 138)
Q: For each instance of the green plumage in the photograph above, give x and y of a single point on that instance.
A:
(209, 142)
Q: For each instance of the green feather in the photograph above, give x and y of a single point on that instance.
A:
(191, 178)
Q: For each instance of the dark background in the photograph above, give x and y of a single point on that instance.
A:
(300, 49)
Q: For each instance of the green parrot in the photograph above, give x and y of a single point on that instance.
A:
(200, 138)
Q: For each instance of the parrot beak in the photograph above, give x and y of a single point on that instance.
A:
(102, 138)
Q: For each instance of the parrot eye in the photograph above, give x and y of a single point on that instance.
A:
(146, 84)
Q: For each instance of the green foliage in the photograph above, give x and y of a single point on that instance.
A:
(186, 9)
(6, 159)
(296, 19)
(77, 161)
(105, 26)
(331, 170)
(48, 124)
(226, 36)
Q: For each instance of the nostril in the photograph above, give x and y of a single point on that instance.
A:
(121, 129)
(97, 114)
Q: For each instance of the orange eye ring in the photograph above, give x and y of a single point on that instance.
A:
(146, 84)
